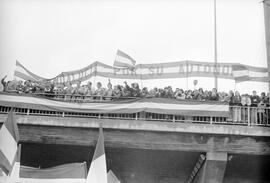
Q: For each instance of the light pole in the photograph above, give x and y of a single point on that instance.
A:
(266, 7)
(215, 44)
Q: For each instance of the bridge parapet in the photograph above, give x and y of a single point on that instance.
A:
(163, 126)
(150, 109)
(141, 134)
(245, 116)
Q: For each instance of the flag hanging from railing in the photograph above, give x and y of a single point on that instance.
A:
(127, 106)
(98, 169)
(9, 138)
(123, 60)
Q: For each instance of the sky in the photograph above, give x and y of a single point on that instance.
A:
(49, 37)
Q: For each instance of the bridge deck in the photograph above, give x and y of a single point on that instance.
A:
(145, 134)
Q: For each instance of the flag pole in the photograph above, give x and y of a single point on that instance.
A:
(215, 44)
(95, 75)
(141, 76)
(187, 73)
(266, 7)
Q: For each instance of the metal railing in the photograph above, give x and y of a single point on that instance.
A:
(247, 115)
(239, 115)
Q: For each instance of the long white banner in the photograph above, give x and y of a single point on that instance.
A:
(152, 105)
(182, 69)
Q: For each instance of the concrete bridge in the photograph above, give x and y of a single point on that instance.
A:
(150, 151)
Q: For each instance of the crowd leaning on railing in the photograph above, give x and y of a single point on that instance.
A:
(125, 91)
(241, 105)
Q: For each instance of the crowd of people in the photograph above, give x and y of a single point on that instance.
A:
(109, 92)
(77, 93)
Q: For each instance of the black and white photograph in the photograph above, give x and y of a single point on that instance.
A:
(134, 91)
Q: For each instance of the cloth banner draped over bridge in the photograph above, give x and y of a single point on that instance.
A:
(181, 69)
(68, 173)
(126, 106)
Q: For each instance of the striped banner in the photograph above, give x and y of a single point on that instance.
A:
(9, 137)
(68, 173)
(153, 105)
(243, 73)
(14, 176)
(123, 60)
(21, 73)
(181, 69)
(112, 177)
(98, 168)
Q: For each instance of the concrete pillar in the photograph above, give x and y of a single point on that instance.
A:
(213, 169)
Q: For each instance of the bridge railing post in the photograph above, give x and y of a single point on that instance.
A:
(248, 115)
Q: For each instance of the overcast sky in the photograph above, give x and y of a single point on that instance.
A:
(49, 37)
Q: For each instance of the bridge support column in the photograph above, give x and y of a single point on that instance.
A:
(213, 169)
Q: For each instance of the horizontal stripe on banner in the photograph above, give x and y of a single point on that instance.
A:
(23, 72)
(186, 62)
(28, 180)
(75, 80)
(160, 69)
(97, 171)
(8, 144)
(257, 74)
(124, 55)
(240, 73)
(19, 65)
(123, 60)
(66, 171)
(161, 76)
(147, 66)
(260, 79)
(23, 76)
(174, 68)
(4, 163)
(249, 73)
(255, 69)
(121, 64)
(257, 79)
(179, 108)
(94, 64)
(158, 72)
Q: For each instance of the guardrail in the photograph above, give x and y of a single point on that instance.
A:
(239, 115)
(249, 115)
